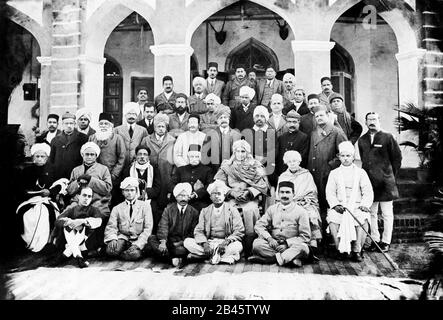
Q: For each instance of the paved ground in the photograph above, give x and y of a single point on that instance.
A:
(374, 279)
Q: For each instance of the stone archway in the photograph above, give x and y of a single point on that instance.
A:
(253, 54)
(99, 26)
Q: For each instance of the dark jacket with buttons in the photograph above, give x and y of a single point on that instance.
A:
(382, 161)
(65, 153)
(191, 174)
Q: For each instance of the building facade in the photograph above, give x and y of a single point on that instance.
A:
(95, 53)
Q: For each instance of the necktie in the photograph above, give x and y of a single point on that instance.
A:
(182, 211)
(131, 131)
(130, 210)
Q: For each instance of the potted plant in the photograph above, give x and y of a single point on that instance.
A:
(423, 121)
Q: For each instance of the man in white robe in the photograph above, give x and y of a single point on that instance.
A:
(348, 188)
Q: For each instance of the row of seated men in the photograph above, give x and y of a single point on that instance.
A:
(230, 224)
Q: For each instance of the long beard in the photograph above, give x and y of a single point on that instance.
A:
(103, 135)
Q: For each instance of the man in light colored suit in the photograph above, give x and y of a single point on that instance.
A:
(129, 225)
(265, 88)
(213, 85)
(131, 132)
(277, 120)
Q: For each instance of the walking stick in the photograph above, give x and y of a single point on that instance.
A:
(393, 264)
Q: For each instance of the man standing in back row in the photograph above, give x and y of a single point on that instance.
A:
(381, 159)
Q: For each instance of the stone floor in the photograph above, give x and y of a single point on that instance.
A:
(374, 278)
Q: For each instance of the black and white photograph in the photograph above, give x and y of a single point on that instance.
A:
(228, 156)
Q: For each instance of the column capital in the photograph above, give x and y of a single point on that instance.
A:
(45, 61)
(311, 45)
(417, 53)
(171, 50)
(95, 60)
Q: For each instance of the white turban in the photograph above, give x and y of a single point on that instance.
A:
(83, 112)
(241, 144)
(180, 187)
(289, 76)
(131, 107)
(41, 147)
(218, 185)
(213, 97)
(199, 80)
(261, 110)
(129, 182)
(161, 118)
(92, 146)
(247, 90)
(346, 146)
(291, 154)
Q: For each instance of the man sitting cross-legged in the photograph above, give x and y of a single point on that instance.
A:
(283, 231)
(219, 231)
(176, 224)
(129, 225)
(75, 230)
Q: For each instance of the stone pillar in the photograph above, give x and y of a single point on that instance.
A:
(91, 73)
(173, 60)
(312, 60)
(45, 89)
(409, 76)
(66, 34)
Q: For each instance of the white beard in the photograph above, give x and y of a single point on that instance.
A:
(102, 136)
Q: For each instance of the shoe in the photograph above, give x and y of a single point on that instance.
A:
(356, 257)
(343, 256)
(82, 263)
(194, 258)
(60, 259)
(373, 247)
(257, 259)
(297, 263)
(384, 246)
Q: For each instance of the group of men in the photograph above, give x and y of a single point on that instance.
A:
(193, 177)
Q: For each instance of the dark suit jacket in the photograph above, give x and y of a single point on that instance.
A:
(230, 96)
(217, 89)
(65, 153)
(240, 119)
(382, 161)
(161, 103)
(191, 174)
(42, 138)
(145, 125)
(297, 141)
(290, 106)
(169, 226)
(277, 87)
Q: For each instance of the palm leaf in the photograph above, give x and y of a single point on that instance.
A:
(412, 110)
(408, 144)
(406, 124)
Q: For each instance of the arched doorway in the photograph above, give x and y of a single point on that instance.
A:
(113, 87)
(253, 55)
(342, 75)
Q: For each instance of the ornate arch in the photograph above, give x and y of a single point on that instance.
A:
(251, 44)
(105, 18)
